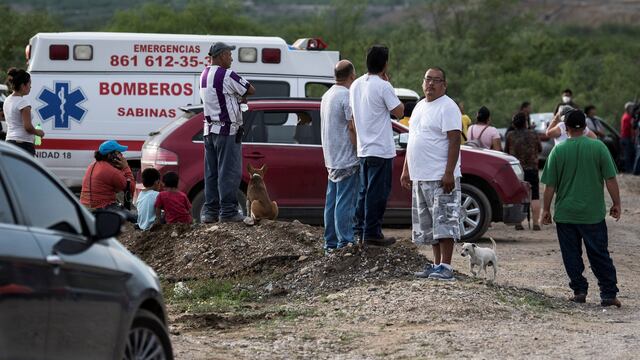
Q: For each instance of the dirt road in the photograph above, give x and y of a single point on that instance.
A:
(524, 315)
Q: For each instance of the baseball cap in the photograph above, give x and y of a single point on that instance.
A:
(575, 119)
(111, 146)
(219, 47)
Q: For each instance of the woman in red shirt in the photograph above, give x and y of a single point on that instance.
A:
(626, 137)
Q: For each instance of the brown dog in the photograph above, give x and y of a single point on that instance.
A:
(259, 206)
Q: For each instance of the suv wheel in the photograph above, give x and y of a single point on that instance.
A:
(476, 212)
(147, 339)
(198, 203)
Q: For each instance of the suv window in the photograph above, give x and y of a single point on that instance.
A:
(285, 127)
(43, 202)
(6, 215)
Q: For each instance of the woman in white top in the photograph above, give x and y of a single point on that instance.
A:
(557, 129)
(483, 134)
(17, 112)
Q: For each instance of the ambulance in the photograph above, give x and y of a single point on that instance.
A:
(87, 87)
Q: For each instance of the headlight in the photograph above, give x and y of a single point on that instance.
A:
(517, 168)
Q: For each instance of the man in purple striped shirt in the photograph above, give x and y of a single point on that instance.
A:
(222, 91)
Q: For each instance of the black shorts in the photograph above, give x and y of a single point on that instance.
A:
(531, 176)
(26, 146)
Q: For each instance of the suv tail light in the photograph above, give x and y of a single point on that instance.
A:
(154, 156)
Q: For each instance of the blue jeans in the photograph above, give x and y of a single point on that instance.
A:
(375, 187)
(339, 210)
(222, 175)
(596, 242)
(629, 151)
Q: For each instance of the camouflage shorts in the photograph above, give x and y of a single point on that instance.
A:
(435, 215)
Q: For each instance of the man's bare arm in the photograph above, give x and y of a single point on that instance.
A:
(398, 111)
(614, 192)
(352, 132)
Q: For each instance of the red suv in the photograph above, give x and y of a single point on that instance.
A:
(492, 183)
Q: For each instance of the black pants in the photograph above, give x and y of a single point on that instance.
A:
(594, 236)
(26, 146)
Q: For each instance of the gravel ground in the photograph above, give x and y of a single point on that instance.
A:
(523, 315)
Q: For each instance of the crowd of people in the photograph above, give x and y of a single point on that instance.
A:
(359, 148)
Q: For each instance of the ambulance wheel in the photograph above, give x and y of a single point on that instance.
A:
(198, 202)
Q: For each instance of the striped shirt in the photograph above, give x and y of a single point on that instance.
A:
(220, 91)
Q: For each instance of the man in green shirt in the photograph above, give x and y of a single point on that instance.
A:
(576, 171)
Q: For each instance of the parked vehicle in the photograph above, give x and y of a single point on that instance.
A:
(68, 288)
(492, 184)
(88, 87)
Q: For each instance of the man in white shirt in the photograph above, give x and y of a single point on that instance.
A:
(338, 147)
(372, 98)
(432, 172)
(221, 91)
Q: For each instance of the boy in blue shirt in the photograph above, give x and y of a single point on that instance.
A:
(147, 198)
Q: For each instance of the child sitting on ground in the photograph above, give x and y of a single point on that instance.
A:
(147, 198)
(176, 205)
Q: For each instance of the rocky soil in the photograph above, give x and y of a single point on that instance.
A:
(363, 303)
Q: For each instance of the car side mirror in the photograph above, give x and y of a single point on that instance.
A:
(108, 224)
(403, 140)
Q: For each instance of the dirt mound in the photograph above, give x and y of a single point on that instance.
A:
(179, 252)
(274, 257)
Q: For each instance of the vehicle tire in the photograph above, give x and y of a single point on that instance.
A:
(476, 212)
(148, 338)
(198, 203)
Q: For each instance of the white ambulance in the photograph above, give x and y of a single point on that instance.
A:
(90, 87)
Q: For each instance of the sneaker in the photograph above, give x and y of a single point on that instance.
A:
(430, 268)
(329, 251)
(385, 241)
(579, 298)
(208, 220)
(235, 218)
(443, 274)
(611, 302)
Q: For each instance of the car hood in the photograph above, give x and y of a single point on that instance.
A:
(498, 154)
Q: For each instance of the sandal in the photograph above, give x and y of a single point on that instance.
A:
(536, 228)
(519, 227)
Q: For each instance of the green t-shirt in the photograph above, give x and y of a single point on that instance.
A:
(577, 169)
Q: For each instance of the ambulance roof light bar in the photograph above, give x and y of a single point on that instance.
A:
(310, 44)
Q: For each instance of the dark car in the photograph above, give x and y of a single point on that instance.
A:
(492, 186)
(68, 288)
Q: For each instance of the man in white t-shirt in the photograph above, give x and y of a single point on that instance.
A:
(432, 171)
(338, 147)
(372, 98)
(221, 91)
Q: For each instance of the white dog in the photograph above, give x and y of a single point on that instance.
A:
(481, 257)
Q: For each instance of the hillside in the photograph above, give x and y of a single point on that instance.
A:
(81, 14)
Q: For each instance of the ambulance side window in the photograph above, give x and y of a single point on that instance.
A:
(315, 90)
(270, 89)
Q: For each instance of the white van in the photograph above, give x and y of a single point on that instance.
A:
(90, 87)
